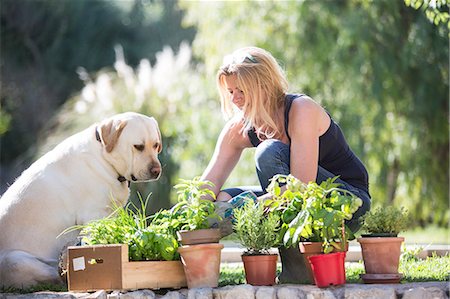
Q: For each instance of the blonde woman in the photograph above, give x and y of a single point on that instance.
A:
(291, 132)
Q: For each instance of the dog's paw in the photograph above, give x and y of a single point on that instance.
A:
(63, 263)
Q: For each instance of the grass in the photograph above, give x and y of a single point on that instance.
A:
(231, 275)
(38, 288)
(427, 235)
(435, 268)
(432, 268)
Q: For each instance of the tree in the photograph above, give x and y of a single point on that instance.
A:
(379, 67)
(44, 44)
(437, 11)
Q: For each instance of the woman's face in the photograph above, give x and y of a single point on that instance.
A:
(235, 93)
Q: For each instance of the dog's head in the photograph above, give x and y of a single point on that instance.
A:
(131, 144)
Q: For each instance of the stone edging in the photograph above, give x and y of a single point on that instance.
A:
(420, 290)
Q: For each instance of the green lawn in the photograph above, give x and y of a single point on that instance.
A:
(428, 235)
(413, 269)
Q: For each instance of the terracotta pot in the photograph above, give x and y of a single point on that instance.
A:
(309, 249)
(199, 236)
(381, 255)
(201, 264)
(260, 270)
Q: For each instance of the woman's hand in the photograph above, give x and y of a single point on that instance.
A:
(269, 195)
(265, 197)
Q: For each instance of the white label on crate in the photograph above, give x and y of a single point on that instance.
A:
(78, 264)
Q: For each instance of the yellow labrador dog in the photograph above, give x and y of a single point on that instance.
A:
(72, 184)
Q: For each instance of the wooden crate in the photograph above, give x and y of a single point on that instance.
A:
(106, 267)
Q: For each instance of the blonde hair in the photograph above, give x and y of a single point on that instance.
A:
(264, 85)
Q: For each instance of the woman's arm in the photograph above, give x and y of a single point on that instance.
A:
(229, 147)
(307, 122)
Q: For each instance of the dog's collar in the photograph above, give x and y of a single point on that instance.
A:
(120, 178)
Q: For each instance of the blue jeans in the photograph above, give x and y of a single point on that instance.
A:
(273, 157)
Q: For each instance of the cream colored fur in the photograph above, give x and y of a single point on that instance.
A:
(70, 185)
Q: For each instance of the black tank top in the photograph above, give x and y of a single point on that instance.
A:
(335, 154)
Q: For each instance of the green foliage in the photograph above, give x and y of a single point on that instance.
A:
(313, 212)
(154, 244)
(353, 272)
(48, 46)
(48, 287)
(64, 35)
(411, 254)
(194, 209)
(126, 226)
(388, 220)
(380, 68)
(231, 275)
(167, 220)
(156, 241)
(195, 204)
(256, 230)
(432, 268)
(435, 10)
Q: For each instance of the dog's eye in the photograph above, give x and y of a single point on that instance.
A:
(157, 146)
(139, 147)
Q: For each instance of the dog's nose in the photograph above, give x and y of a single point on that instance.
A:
(155, 170)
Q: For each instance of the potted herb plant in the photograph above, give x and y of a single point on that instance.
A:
(313, 217)
(380, 245)
(257, 231)
(200, 251)
(122, 252)
(194, 210)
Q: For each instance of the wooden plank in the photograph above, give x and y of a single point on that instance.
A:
(153, 275)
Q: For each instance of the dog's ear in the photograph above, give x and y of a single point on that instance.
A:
(110, 132)
(159, 134)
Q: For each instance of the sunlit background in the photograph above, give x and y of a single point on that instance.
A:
(380, 67)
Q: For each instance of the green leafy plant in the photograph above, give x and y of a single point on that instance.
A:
(313, 212)
(386, 220)
(256, 230)
(194, 209)
(128, 225)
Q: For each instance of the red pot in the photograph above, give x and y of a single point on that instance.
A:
(328, 269)
(311, 249)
